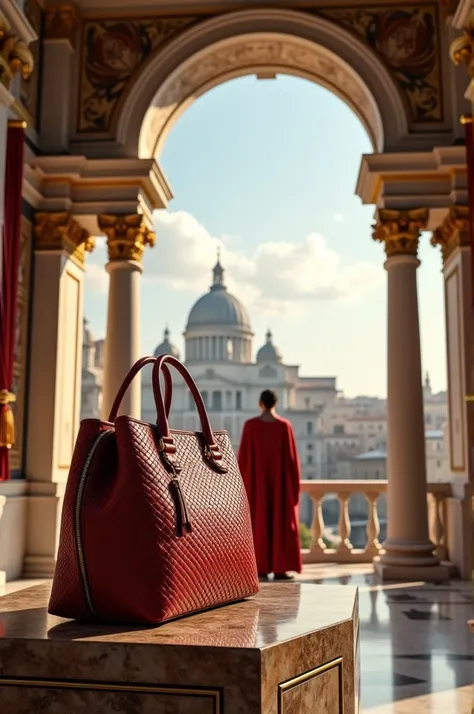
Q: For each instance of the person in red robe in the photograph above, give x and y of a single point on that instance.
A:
(270, 468)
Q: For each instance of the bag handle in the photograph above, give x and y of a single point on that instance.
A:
(212, 452)
(129, 379)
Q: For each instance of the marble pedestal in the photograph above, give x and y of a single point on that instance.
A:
(292, 649)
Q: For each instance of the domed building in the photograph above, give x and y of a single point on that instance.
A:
(269, 353)
(218, 327)
(165, 347)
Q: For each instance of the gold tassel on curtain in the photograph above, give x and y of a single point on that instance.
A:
(7, 421)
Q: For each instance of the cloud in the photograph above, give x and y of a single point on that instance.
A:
(96, 279)
(276, 277)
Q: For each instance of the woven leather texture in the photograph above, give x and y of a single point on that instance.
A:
(139, 568)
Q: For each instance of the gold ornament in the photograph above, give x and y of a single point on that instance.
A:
(453, 232)
(7, 421)
(461, 48)
(14, 54)
(60, 231)
(127, 236)
(400, 230)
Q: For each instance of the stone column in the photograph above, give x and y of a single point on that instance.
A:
(453, 237)
(127, 237)
(54, 391)
(409, 553)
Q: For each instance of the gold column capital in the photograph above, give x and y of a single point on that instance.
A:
(14, 54)
(127, 236)
(400, 230)
(61, 22)
(453, 232)
(60, 231)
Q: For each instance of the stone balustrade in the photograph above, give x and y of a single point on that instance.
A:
(343, 550)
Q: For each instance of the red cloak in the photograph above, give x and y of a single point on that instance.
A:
(270, 468)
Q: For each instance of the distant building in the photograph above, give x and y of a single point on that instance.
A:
(92, 370)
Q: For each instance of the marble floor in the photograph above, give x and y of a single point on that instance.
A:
(417, 653)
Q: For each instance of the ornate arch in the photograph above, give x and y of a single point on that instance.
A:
(258, 42)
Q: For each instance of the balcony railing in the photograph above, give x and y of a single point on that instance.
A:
(343, 550)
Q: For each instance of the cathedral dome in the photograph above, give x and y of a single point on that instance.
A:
(269, 353)
(166, 348)
(218, 307)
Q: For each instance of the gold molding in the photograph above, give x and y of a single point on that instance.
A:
(127, 235)
(15, 55)
(400, 230)
(60, 231)
(316, 672)
(213, 694)
(453, 232)
(61, 22)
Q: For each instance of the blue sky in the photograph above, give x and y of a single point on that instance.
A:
(267, 170)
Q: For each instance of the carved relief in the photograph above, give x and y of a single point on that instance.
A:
(29, 87)
(14, 54)
(127, 236)
(400, 230)
(61, 22)
(59, 231)
(406, 39)
(453, 232)
(286, 55)
(113, 52)
(253, 53)
(21, 346)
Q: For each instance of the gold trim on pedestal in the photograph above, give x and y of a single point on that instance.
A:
(14, 54)
(127, 236)
(316, 672)
(60, 231)
(400, 230)
(61, 22)
(212, 694)
(453, 232)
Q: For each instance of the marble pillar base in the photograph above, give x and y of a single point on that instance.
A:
(440, 573)
(292, 649)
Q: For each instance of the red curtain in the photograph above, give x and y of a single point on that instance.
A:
(8, 288)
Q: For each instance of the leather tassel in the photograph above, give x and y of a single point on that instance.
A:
(183, 515)
(7, 420)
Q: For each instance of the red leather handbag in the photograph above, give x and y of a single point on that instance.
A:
(155, 522)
